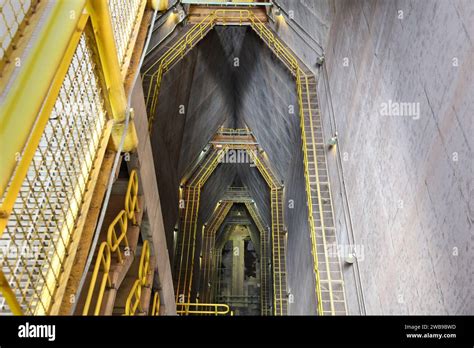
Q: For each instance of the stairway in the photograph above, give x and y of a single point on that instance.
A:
(128, 282)
(188, 214)
(265, 256)
(208, 249)
(278, 236)
(121, 260)
(329, 271)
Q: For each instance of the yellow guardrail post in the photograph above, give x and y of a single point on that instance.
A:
(135, 296)
(155, 309)
(113, 240)
(104, 260)
(101, 22)
(144, 267)
(131, 197)
(9, 296)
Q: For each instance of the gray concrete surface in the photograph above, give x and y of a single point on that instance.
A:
(408, 178)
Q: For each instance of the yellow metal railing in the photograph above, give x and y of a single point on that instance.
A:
(174, 54)
(188, 226)
(131, 197)
(308, 191)
(202, 309)
(102, 265)
(209, 238)
(155, 308)
(185, 265)
(234, 131)
(144, 268)
(133, 302)
(112, 244)
(134, 298)
(115, 240)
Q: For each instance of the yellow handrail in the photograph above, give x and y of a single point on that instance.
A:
(113, 240)
(135, 295)
(155, 309)
(308, 192)
(134, 299)
(131, 197)
(103, 259)
(144, 267)
(219, 308)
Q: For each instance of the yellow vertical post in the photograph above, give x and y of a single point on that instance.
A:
(9, 296)
(101, 22)
(160, 5)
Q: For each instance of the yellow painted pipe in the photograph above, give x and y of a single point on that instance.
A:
(29, 89)
(160, 5)
(99, 12)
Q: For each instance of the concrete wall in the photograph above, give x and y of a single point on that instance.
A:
(408, 178)
(154, 209)
(194, 101)
(304, 27)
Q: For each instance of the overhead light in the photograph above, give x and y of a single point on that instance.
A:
(175, 10)
(278, 12)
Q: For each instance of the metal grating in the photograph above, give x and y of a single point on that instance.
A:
(13, 18)
(124, 16)
(34, 245)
